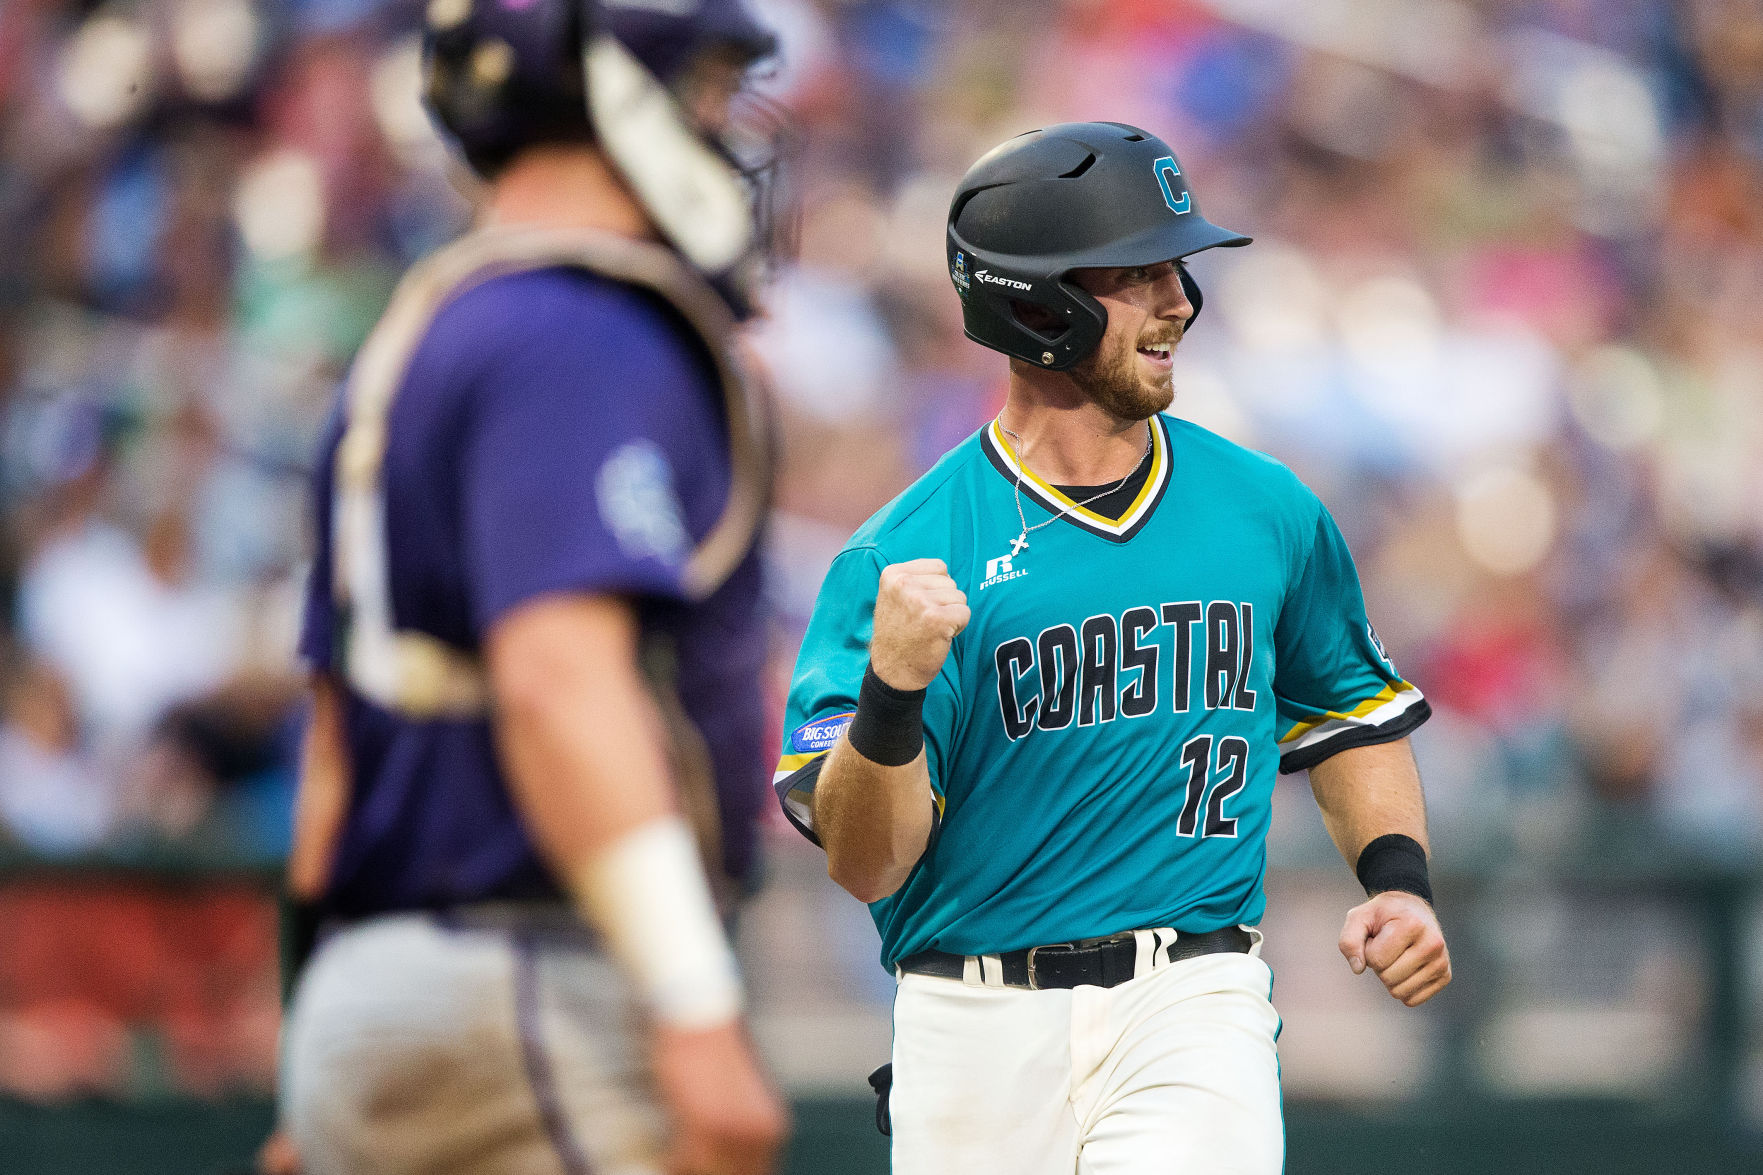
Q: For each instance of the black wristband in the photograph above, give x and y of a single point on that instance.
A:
(1397, 862)
(889, 726)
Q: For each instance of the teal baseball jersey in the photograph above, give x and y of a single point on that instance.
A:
(1104, 736)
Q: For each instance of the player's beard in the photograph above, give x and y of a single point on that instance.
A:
(1117, 384)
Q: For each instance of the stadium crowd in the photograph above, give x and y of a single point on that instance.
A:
(1501, 312)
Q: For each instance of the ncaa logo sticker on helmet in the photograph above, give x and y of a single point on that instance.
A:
(1167, 171)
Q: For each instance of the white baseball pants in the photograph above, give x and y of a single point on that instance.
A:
(1172, 1073)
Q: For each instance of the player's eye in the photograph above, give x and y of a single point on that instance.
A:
(1137, 275)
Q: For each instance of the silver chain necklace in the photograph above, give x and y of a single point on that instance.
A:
(1019, 544)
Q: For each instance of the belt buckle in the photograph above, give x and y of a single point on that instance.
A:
(1034, 983)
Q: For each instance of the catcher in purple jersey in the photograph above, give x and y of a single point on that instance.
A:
(529, 788)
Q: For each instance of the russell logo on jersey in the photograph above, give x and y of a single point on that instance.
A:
(1000, 569)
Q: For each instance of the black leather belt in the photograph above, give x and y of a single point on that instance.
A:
(1093, 962)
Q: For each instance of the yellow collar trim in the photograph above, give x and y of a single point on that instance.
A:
(1159, 459)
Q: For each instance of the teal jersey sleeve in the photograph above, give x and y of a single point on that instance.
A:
(829, 672)
(1333, 681)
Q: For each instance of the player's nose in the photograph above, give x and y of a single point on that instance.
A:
(1172, 301)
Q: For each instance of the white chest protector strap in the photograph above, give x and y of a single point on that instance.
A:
(415, 673)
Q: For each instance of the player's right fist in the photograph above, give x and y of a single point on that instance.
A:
(918, 612)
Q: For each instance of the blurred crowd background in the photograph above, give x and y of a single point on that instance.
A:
(1504, 311)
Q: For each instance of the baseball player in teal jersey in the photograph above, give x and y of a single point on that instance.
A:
(1041, 704)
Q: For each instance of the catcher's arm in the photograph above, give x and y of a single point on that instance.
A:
(323, 796)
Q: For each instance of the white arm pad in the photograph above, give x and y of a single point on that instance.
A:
(646, 895)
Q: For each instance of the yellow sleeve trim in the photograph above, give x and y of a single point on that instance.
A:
(1383, 696)
(791, 763)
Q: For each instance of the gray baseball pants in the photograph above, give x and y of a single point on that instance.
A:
(495, 1040)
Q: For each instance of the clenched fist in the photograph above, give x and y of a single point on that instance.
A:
(918, 612)
(1397, 935)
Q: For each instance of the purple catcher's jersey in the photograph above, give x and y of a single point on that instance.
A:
(555, 432)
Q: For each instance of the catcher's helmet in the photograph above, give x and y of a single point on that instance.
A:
(1074, 196)
(502, 75)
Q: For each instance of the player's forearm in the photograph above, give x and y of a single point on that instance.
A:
(582, 747)
(874, 821)
(873, 801)
(1368, 792)
(323, 796)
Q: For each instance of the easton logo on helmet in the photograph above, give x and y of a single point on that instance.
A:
(1167, 172)
(985, 275)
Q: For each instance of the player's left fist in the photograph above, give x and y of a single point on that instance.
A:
(1397, 935)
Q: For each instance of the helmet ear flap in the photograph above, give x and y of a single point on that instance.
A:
(1058, 328)
(1042, 320)
(1191, 288)
(1088, 324)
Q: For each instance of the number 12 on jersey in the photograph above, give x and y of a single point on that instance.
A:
(1233, 765)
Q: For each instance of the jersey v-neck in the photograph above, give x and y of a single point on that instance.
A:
(1115, 502)
(1117, 516)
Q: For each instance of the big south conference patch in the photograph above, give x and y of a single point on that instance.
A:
(811, 738)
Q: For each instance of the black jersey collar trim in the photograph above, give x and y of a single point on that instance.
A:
(1036, 492)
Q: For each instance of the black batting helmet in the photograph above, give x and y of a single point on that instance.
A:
(503, 75)
(1078, 195)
